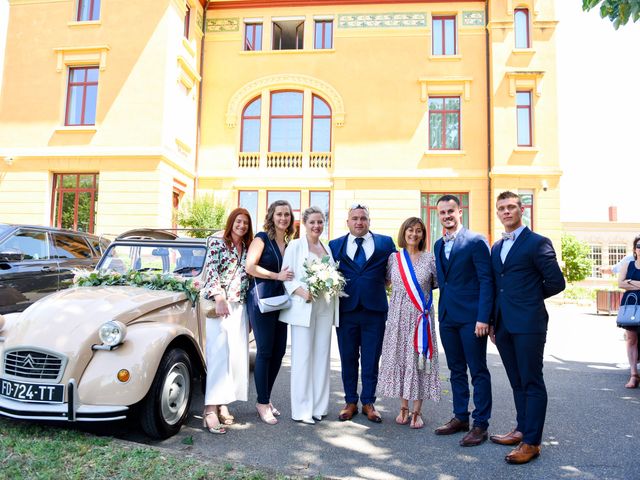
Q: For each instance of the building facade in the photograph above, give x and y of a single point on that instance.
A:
(327, 103)
(609, 243)
(98, 116)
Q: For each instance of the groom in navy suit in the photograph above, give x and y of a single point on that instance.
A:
(363, 262)
(526, 272)
(465, 279)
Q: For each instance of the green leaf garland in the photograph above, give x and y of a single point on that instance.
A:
(134, 278)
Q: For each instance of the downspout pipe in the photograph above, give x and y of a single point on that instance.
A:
(489, 126)
(199, 114)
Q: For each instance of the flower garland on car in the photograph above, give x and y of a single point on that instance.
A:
(134, 278)
(323, 278)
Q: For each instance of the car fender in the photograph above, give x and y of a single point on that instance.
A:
(7, 321)
(140, 354)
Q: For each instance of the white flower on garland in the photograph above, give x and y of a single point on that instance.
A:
(323, 278)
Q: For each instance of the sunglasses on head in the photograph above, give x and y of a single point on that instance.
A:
(356, 206)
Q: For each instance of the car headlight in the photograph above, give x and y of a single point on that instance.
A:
(112, 333)
(1, 322)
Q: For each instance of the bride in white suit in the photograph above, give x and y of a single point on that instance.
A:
(311, 321)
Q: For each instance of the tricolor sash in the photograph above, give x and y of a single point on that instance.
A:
(422, 341)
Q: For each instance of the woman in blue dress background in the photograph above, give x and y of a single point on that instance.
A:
(264, 264)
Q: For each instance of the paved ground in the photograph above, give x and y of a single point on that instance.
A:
(592, 429)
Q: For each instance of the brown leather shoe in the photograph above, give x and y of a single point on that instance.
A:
(514, 437)
(372, 414)
(523, 453)
(347, 413)
(454, 425)
(475, 437)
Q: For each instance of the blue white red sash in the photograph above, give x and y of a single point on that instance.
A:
(422, 341)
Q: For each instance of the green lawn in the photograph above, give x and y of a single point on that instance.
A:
(31, 451)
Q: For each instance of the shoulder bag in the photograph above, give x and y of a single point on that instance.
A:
(271, 304)
(629, 313)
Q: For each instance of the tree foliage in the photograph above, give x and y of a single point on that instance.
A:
(575, 254)
(618, 11)
(202, 213)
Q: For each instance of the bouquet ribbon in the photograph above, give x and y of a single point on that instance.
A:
(422, 341)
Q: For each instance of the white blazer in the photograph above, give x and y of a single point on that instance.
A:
(299, 313)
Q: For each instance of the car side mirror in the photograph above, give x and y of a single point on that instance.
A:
(13, 255)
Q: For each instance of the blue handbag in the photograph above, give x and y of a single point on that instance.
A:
(629, 313)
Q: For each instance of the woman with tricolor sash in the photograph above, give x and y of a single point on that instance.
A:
(409, 367)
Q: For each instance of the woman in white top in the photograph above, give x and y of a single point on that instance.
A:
(311, 321)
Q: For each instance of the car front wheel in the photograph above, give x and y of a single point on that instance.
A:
(167, 404)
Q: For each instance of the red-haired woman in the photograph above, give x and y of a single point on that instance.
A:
(227, 346)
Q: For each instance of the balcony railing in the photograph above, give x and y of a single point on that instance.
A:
(284, 160)
(320, 160)
(248, 160)
(287, 160)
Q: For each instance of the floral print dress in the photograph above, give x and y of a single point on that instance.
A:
(225, 271)
(399, 376)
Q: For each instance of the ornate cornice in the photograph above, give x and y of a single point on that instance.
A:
(283, 81)
(219, 5)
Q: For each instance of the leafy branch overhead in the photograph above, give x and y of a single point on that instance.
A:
(618, 11)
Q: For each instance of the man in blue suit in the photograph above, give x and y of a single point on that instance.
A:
(465, 279)
(363, 262)
(525, 272)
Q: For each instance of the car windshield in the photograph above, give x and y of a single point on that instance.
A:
(187, 260)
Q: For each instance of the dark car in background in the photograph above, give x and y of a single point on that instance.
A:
(36, 261)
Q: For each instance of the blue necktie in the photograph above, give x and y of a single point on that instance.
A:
(360, 258)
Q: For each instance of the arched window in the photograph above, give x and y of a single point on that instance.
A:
(320, 125)
(250, 135)
(285, 122)
(521, 27)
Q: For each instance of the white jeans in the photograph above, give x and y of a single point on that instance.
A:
(310, 364)
(227, 350)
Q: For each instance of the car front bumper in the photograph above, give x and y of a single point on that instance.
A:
(71, 411)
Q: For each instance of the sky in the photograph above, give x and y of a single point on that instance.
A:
(599, 114)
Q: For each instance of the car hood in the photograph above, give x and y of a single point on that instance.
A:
(64, 320)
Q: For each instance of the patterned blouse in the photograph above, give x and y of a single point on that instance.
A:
(223, 273)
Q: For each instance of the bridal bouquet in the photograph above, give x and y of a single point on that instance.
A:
(323, 278)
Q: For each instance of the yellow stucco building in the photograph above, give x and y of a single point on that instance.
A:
(387, 103)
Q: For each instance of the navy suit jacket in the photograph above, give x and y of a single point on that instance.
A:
(365, 286)
(466, 283)
(530, 274)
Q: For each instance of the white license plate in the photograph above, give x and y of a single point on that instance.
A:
(31, 392)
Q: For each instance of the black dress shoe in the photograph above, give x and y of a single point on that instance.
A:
(454, 425)
(475, 437)
(317, 419)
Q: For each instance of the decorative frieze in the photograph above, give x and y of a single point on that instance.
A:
(473, 18)
(383, 20)
(222, 25)
(199, 21)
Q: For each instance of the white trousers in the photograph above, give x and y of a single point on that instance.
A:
(310, 364)
(227, 350)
